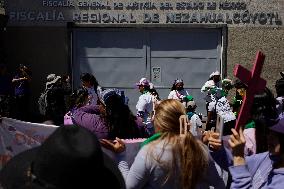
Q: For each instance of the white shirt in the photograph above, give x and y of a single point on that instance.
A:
(195, 124)
(223, 109)
(209, 85)
(145, 104)
(279, 106)
(178, 95)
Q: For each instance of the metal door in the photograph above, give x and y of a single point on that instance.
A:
(119, 57)
(190, 55)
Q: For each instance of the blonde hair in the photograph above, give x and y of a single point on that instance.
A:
(189, 158)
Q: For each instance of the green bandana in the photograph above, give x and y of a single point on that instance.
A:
(152, 138)
(145, 91)
(188, 98)
(217, 91)
(250, 124)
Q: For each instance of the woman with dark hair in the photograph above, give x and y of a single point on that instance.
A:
(239, 95)
(177, 91)
(90, 83)
(121, 121)
(263, 115)
(77, 99)
(21, 82)
(111, 118)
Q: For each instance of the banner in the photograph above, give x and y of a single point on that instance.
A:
(131, 150)
(17, 136)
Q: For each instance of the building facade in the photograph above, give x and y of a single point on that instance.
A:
(122, 41)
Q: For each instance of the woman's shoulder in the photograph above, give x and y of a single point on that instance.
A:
(158, 146)
(256, 160)
(146, 96)
(259, 156)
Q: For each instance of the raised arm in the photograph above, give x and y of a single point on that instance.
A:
(86, 117)
(137, 176)
(239, 171)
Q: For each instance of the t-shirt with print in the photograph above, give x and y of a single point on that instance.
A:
(195, 124)
(222, 108)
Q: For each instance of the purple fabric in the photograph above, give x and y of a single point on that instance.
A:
(88, 117)
(257, 173)
(250, 146)
(68, 119)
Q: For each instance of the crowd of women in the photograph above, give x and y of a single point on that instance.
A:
(176, 154)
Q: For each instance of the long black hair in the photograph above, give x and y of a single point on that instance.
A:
(120, 119)
(23, 71)
(279, 86)
(87, 77)
(78, 98)
(265, 115)
(174, 86)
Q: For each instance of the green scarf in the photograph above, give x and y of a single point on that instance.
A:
(145, 91)
(152, 138)
(250, 124)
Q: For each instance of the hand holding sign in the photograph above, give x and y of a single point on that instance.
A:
(219, 126)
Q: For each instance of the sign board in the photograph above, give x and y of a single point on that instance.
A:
(156, 75)
(59, 12)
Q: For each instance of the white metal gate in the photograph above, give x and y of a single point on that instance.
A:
(119, 57)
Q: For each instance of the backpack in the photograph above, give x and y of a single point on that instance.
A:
(42, 101)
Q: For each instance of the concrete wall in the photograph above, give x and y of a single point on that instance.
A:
(243, 42)
(44, 50)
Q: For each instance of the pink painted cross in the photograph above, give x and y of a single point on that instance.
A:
(254, 83)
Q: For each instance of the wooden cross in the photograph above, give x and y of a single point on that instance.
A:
(254, 83)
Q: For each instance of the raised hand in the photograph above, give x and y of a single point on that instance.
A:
(116, 146)
(214, 141)
(237, 143)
